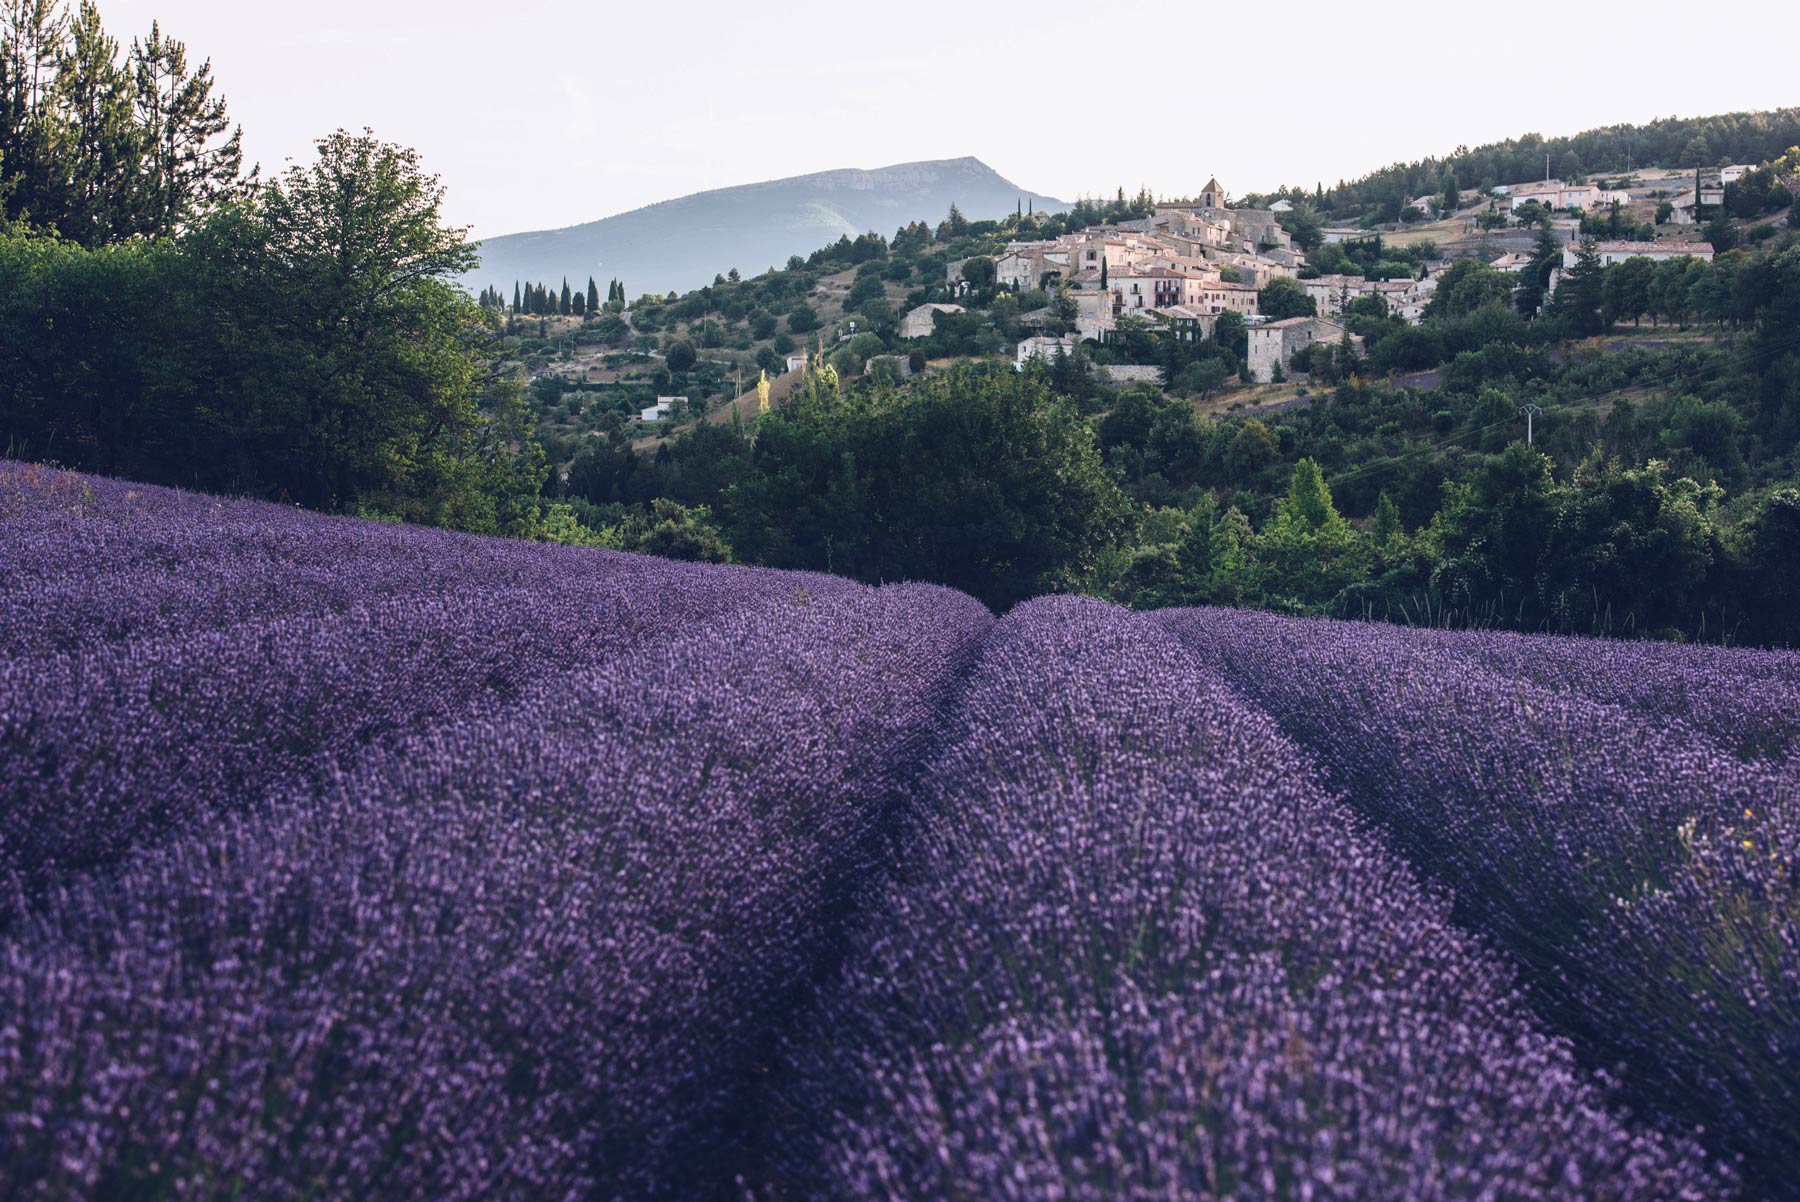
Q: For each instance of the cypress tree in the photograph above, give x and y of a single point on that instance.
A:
(565, 305)
(593, 296)
(518, 302)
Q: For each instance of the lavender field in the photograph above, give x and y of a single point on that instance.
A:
(345, 860)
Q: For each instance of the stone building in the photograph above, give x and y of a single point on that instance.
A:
(1279, 341)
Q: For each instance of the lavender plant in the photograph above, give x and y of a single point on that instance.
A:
(1134, 953)
(1640, 872)
(531, 954)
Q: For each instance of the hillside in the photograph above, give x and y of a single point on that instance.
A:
(1678, 143)
(552, 845)
(682, 244)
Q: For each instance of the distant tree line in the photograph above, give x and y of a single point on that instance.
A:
(1685, 142)
(541, 300)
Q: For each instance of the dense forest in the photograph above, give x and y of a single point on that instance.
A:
(173, 318)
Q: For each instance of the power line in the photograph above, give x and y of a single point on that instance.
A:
(1530, 411)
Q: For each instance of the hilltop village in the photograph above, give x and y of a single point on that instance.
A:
(1188, 263)
(1115, 287)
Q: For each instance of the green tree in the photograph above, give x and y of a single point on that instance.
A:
(105, 146)
(1534, 280)
(982, 480)
(980, 272)
(1230, 332)
(681, 357)
(1580, 299)
(1627, 289)
(1386, 531)
(673, 531)
(1283, 298)
(1308, 552)
(1465, 286)
(1487, 540)
(1251, 450)
(33, 147)
(1203, 377)
(345, 265)
(1769, 569)
(955, 225)
(1721, 233)
(191, 162)
(1628, 551)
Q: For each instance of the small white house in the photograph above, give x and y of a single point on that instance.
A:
(798, 362)
(1734, 173)
(662, 408)
(1612, 253)
(1046, 349)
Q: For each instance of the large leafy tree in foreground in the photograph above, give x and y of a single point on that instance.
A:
(302, 342)
(346, 263)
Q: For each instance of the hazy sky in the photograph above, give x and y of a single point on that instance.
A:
(541, 114)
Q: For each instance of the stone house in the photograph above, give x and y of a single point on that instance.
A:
(1711, 196)
(1217, 296)
(1554, 194)
(1332, 294)
(923, 320)
(1279, 341)
(1024, 264)
(1187, 325)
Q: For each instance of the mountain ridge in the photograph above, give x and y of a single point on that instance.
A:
(682, 243)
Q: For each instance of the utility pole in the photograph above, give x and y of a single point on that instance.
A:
(1530, 411)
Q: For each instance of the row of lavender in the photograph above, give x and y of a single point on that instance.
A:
(252, 648)
(1134, 953)
(1623, 820)
(501, 903)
